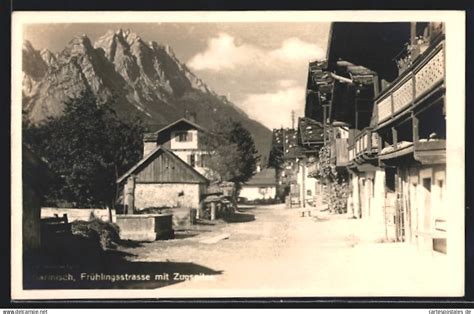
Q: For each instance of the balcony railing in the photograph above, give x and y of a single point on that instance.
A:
(426, 73)
(340, 152)
(365, 144)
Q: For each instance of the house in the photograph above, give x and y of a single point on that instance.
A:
(395, 106)
(410, 119)
(298, 149)
(262, 185)
(184, 138)
(292, 155)
(162, 179)
(311, 139)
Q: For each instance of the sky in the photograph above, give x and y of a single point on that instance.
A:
(261, 67)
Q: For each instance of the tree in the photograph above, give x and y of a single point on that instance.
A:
(275, 159)
(87, 148)
(233, 156)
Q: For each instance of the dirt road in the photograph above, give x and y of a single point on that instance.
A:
(280, 253)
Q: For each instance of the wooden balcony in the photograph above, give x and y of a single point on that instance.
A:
(364, 147)
(424, 77)
(430, 152)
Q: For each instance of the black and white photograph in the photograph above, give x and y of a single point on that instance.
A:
(237, 154)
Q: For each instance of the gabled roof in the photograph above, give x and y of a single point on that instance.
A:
(154, 154)
(370, 44)
(182, 120)
(263, 178)
(290, 144)
(277, 137)
(311, 131)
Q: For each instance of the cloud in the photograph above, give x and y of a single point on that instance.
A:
(287, 83)
(266, 83)
(294, 49)
(274, 109)
(222, 53)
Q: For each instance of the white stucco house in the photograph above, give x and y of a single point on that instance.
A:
(182, 137)
(263, 185)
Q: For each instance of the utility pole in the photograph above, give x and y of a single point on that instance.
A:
(293, 119)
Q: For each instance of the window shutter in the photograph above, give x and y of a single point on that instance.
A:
(198, 160)
(190, 136)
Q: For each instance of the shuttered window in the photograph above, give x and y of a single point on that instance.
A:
(184, 136)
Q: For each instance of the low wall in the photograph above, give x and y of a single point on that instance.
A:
(78, 213)
(145, 227)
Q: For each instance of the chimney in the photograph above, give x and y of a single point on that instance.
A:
(149, 143)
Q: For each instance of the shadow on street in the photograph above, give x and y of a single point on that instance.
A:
(93, 269)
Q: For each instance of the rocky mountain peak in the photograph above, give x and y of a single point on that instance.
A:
(27, 46)
(33, 64)
(80, 45)
(48, 57)
(143, 79)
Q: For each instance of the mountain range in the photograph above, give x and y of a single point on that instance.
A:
(143, 79)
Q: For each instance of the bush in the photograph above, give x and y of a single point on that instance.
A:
(106, 233)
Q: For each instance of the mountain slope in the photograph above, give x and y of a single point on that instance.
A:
(140, 79)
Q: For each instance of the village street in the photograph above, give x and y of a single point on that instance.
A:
(281, 253)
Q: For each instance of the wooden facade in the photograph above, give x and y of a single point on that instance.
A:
(165, 167)
(162, 179)
(162, 166)
(395, 110)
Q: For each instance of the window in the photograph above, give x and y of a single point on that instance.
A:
(192, 160)
(183, 136)
(204, 160)
(372, 185)
(262, 190)
(440, 186)
(390, 179)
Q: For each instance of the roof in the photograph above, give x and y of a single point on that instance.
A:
(290, 144)
(265, 177)
(372, 45)
(358, 73)
(153, 154)
(311, 131)
(277, 137)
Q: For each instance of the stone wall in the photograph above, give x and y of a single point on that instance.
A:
(166, 195)
(145, 227)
